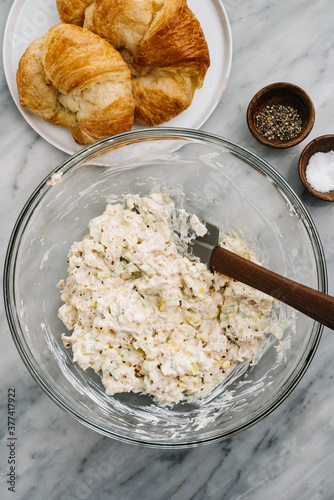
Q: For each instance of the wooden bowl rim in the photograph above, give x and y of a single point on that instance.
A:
(303, 162)
(265, 92)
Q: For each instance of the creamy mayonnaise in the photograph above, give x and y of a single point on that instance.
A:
(148, 316)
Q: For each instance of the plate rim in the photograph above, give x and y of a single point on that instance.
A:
(31, 118)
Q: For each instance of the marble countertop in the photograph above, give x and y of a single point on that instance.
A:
(290, 454)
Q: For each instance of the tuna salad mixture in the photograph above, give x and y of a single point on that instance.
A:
(149, 317)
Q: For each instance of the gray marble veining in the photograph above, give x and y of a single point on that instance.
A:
(290, 454)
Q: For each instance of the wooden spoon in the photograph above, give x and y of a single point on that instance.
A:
(317, 305)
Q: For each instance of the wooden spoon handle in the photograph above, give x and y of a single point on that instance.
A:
(315, 304)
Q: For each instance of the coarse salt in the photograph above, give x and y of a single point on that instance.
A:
(320, 172)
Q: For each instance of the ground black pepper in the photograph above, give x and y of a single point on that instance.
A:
(279, 122)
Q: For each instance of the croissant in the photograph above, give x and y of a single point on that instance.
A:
(73, 77)
(163, 44)
(72, 11)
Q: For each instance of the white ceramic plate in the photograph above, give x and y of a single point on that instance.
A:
(29, 19)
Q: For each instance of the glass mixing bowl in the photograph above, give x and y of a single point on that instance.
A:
(224, 184)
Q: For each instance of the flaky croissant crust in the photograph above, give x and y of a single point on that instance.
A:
(163, 44)
(72, 11)
(75, 78)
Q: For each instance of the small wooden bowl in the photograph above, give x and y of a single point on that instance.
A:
(322, 144)
(285, 94)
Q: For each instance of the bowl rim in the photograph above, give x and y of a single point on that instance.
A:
(302, 165)
(157, 134)
(261, 95)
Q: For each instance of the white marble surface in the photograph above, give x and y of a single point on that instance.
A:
(290, 454)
